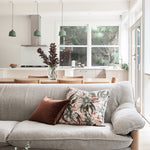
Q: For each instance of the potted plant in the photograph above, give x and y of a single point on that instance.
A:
(125, 66)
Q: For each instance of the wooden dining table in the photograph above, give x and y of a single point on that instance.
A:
(48, 81)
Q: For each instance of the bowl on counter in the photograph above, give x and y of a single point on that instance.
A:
(13, 65)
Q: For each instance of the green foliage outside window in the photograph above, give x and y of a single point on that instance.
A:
(104, 45)
(75, 35)
(104, 56)
(76, 53)
(105, 35)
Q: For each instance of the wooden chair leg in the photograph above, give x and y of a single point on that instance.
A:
(134, 135)
(113, 80)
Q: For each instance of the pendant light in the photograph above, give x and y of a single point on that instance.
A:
(37, 32)
(12, 33)
(62, 32)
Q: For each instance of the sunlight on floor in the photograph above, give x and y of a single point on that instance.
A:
(144, 138)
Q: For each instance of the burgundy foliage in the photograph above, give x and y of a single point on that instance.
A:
(52, 59)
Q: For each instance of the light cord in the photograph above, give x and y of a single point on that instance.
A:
(37, 11)
(37, 8)
(62, 13)
(12, 15)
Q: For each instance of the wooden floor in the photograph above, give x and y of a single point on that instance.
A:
(144, 138)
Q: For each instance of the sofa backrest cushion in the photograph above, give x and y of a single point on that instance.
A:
(18, 101)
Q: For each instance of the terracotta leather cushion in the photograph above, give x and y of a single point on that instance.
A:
(49, 111)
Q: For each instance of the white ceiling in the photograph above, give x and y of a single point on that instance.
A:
(28, 7)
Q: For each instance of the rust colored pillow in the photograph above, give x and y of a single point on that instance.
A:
(49, 111)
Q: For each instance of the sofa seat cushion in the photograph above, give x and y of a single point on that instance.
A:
(5, 129)
(68, 137)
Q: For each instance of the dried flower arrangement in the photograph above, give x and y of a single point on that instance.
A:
(52, 59)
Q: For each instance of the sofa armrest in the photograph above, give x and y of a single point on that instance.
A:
(126, 119)
(135, 142)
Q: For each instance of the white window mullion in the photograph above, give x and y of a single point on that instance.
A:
(89, 59)
(105, 46)
(58, 43)
(72, 45)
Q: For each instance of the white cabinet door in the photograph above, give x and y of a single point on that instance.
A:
(87, 73)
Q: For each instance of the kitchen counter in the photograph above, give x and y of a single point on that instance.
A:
(120, 74)
(25, 72)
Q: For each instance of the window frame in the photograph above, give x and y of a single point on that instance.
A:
(89, 45)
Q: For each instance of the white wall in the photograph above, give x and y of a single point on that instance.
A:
(146, 25)
(9, 46)
(135, 11)
(146, 48)
(124, 38)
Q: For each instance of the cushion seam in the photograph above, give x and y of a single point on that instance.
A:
(11, 131)
(71, 139)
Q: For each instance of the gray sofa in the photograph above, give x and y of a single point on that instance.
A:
(18, 101)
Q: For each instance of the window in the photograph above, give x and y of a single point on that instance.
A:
(75, 41)
(100, 43)
(105, 45)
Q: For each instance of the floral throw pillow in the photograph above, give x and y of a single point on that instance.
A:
(86, 108)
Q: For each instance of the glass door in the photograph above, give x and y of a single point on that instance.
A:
(138, 63)
(136, 77)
